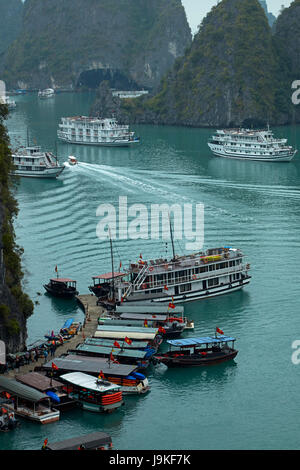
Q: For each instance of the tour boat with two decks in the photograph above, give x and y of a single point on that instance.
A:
(183, 278)
(203, 351)
(32, 162)
(95, 131)
(47, 93)
(249, 144)
(93, 394)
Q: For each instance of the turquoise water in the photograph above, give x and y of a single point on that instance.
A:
(251, 403)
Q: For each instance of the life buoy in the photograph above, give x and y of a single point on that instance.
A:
(194, 277)
(151, 268)
(144, 286)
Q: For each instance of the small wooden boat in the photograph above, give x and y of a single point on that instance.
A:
(124, 375)
(27, 402)
(62, 287)
(93, 394)
(202, 351)
(93, 441)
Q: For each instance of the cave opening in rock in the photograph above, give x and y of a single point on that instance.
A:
(117, 79)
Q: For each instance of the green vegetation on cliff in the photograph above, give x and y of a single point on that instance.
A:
(10, 22)
(229, 76)
(61, 39)
(15, 305)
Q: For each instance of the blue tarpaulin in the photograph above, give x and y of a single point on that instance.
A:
(199, 341)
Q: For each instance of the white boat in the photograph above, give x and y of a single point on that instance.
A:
(93, 394)
(72, 160)
(47, 93)
(182, 279)
(95, 131)
(11, 104)
(32, 162)
(249, 144)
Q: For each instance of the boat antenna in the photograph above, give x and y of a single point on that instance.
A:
(172, 240)
(28, 137)
(112, 265)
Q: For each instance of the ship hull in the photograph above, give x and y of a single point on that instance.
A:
(101, 144)
(49, 173)
(192, 296)
(286, 157)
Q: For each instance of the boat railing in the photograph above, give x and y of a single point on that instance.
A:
(152, 284)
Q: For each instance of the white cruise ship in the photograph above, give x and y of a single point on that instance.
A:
(249, 144)
(47, 93)
(184, 278)
(95, 131)
(11, 104)
(32, 162)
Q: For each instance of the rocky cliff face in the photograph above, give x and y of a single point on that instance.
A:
(10, 22)
(230, 75)
(61, 41)
(269, 15)
(15, 306)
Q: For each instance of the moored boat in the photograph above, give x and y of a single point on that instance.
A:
(125, 375)
(93, 394)
(72, 160)
(186, 278)
(92, 441)
(116, 353)
(27, 402)
(62, 287)
(202, 351)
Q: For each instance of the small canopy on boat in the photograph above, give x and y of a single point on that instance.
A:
(117, 352)
(147, 316)
(38, 381)
(89, 441)
(63, 280)
(68, 323)
(89, 382)
(121, 332)
(90, 365)
(20, 390)
(188, 342)
(110, 342)
(109, 276)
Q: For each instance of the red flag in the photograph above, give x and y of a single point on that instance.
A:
(171, 305)
(162, 330)
(122, 300)
(219, 331)
(54, 366)
(120, 264)
(127, 340)
(45, 443)
(101, 375)
(166, 288)
(7, 395)
(56, 269)
(116, 344)
(111, 357)
(145, 323)
(141, 256)
(204, 353)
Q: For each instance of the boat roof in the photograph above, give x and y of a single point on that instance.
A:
(62, 279)
(109, 276)
(92, 365)
(109, 343)
(199, 341)
(88, 381)
(115, 351)
(120, 332)
(141, 317)
(90, 441)
(38, 381)
(20, 390)
(142, 309)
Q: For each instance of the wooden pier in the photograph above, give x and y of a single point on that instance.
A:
(92, 312)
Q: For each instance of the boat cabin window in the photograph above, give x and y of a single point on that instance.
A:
(213, 282)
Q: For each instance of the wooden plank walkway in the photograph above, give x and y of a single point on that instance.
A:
(91, 314)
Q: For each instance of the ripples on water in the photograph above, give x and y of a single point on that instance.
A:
(251, 403)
